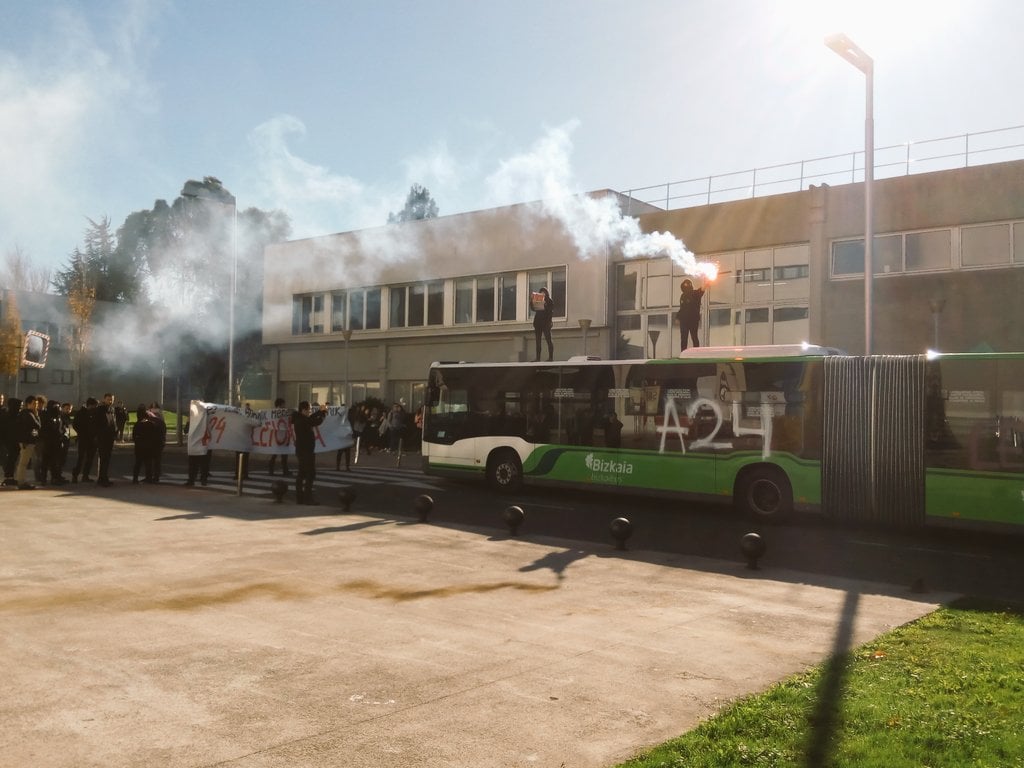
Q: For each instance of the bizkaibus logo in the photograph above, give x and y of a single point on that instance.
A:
(607, 466)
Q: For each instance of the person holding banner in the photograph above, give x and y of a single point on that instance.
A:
(543, 311)
(304, 424)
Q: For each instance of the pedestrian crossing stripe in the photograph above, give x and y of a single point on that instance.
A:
(260, 482)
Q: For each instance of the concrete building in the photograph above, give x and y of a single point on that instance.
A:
(364, 313)
(105, 367)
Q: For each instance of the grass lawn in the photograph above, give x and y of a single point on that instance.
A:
(946, 690)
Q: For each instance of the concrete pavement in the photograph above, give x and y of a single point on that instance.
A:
(147, 626)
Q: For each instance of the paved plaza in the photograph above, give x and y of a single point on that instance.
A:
(166, 626)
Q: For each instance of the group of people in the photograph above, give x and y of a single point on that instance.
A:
(688, 318)
(36, 433)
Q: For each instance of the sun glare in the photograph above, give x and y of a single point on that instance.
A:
(886, 30)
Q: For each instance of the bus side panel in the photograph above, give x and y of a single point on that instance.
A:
(991, 498)
(642, 470)
(455, 460)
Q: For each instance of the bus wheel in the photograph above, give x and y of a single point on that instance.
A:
(504, 471)
(765, 494)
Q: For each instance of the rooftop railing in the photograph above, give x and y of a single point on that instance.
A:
(981, 148)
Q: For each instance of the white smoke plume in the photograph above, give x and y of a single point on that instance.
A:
(544, 173)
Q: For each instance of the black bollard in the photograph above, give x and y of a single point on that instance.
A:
(346, 495)
(621, 529)
(278, 489)
(513, 519)
(422, 507)
(753, 547)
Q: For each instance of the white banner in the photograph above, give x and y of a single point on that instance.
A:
(214, 427)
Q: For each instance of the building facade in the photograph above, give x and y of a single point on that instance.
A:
(364, 313)
(106, 366)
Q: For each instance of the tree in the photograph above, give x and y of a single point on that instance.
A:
(20, 275)
(418, 205)
(115, 274)
(188, 249)
(82, 301)
(11, 337)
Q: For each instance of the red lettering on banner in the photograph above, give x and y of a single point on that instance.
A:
(319, 437)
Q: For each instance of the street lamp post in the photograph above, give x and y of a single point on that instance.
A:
(585, 327)
(347, 334)
(196, 190)
(849, 50)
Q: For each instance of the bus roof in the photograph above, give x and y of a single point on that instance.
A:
(712, 354)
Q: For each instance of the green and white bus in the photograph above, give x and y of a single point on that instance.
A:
(906, 440)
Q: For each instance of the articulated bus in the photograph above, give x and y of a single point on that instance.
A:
(903, 440)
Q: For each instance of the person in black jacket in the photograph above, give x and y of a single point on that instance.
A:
(304, 424)
(542, 315)
(26, 432)
(689, 313)
(8, 439)
(144, 436)
(49, 451)
(105, 421)
(84, 423)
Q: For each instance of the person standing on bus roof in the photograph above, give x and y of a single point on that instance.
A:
(543, 311)
(689, 313)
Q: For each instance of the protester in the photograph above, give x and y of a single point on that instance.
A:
(144, 437)
(8, 438)
(543, 311)
(303, 424)
(105, 420)
(689, 313)
(279, 405)
(27, 428)
(84, 423)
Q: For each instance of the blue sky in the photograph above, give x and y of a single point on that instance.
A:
(330, 110)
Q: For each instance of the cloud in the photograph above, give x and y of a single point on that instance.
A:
(63, 101)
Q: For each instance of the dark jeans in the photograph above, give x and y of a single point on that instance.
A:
(273, 462)
(86, 459)
(546, 333)
(199, 466)
(690, 330)
(305, 476)
(104, 447)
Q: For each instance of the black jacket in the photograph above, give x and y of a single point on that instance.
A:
(26, 427)
(305, 437)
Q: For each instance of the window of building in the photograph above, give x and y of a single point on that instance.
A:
(464, 300)
(360, 305)
(58, 376)
(929, 250)
(507, 297)
(888, 255)
(1018, 242)
(396, 317)
(29, 376)
(792, 272)
(485, 298)
(308, 314)
(985, 246)
(848, 257)
(758, 315)
(785, 314)
(435, 303)
(554, 281)
(759, 275)
(338, 312)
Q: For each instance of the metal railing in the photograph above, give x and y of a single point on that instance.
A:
(981, 148)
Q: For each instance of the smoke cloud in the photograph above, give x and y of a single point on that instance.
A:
(544, 173)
